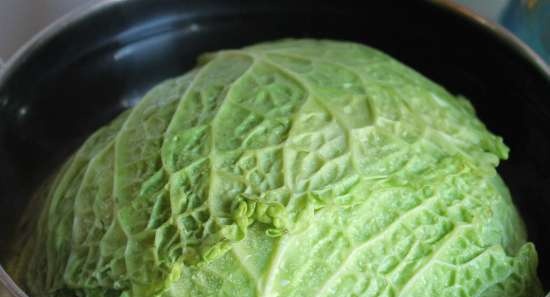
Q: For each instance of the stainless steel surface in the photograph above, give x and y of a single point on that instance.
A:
(3, 277)
(1, 66)
(9, 287)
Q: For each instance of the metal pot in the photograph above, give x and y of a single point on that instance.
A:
(86, 68)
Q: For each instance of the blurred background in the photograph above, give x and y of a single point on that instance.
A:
(21, 19)
(528, 19)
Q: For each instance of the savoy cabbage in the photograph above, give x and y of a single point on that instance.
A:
(291, 168)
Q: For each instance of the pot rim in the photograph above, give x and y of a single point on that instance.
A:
(47, 33)
(89, 9)
(498, 30)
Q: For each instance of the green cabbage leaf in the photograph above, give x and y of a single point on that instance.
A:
(290, 168)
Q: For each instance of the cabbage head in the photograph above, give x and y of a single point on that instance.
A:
(292, 168)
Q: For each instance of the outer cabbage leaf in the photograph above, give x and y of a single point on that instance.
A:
(290, 168)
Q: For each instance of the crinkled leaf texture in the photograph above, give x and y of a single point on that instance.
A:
(291, 168)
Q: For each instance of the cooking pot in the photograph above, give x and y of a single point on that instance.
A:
(85, 69)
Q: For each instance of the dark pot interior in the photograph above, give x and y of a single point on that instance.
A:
(60, 91)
